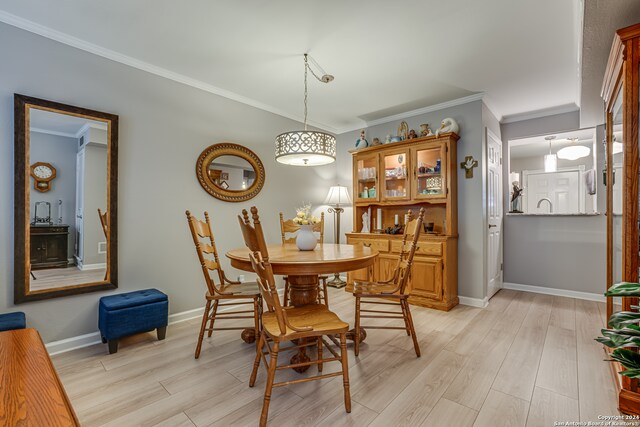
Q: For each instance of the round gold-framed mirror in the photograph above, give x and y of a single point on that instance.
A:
(230, 172)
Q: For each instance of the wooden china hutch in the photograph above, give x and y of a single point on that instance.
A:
(621, 97)
(390, 179)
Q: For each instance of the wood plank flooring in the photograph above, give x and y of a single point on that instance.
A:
(51, 278)
(526, 360)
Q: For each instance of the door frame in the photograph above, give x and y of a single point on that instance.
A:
(490, 135)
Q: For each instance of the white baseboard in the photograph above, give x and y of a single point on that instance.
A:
(554, 291)
(68, 344)
(85, 267)
(474, 302)
(73, 343)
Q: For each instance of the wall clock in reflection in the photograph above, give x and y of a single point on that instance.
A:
(230, 172)
(42, 174)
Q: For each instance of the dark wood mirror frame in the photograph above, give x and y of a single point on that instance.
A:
(229, 149)
(22, 293)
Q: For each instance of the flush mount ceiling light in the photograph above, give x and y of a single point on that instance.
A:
(573, 152)
(550, 160)
(306, 147)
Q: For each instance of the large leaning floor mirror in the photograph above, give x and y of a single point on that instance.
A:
(65, 199)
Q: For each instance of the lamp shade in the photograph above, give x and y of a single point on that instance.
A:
(338, 195)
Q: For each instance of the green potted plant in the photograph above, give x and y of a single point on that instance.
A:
(624, 330)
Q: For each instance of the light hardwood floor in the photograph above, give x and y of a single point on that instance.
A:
(51, 278)
(526, 360)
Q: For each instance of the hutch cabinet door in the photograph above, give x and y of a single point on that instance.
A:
(429, 171)
(365, 178)
(426, 278)
(395, 166)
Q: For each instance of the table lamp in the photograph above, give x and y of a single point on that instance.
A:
(338, 196)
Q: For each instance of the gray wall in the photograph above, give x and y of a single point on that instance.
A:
(60, 151)
(555, 252)
(470, 191)
(95, 196)
(164, 126)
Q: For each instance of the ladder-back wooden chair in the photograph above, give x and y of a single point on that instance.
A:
(308, 324)
(235, 293)
(104, 221)
(288, 231)
(392, 291)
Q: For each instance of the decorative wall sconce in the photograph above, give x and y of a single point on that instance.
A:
(468, 165)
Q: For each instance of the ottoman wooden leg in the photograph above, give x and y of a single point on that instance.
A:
(162, 333)
(113, 346)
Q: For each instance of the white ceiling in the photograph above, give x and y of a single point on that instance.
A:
(538, 146)
(387, 57)
(59, 124)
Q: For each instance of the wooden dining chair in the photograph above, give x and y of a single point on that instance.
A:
(104, 221)
(308, 324)
(288, 231)
(392, 291)
(235, 293)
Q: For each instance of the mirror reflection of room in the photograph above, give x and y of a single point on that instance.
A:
(68, 168)
(554, 174)
(232, 173)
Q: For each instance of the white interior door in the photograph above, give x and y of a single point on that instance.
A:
(562, 191)
(494, 214)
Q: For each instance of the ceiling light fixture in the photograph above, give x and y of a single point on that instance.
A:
(573, 152)
(306, 147)
(550, 160)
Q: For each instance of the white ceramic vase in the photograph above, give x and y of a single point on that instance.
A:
(306, 240)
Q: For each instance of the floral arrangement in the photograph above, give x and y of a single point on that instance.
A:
(304, 217)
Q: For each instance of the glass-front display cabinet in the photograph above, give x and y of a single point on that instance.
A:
(366, 178)
(620, 93)
(396, 180)
(429, 172)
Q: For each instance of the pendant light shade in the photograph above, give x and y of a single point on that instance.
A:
(550, 160)
(306, 147)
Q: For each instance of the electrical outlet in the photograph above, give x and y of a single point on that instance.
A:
(241, 278)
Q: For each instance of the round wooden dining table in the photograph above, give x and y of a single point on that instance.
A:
(304, 267)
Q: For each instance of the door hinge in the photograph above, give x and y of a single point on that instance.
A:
(500, 160)
(443, 266)
(501, 267)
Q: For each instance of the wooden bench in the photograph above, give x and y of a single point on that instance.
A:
(31, 393)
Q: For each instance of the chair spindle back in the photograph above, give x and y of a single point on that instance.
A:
(412, 230)
(206, 249)
(254, 240)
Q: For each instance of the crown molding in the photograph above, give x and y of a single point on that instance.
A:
(417, 112)
(551, 111)
(87, 126)
(52, 132)
(78, 43)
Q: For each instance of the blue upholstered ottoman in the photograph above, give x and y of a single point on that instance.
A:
(131, 313)
(10, 321)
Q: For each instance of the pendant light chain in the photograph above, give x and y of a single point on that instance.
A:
(306, 92)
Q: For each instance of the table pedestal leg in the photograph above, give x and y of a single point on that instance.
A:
(303, 290)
